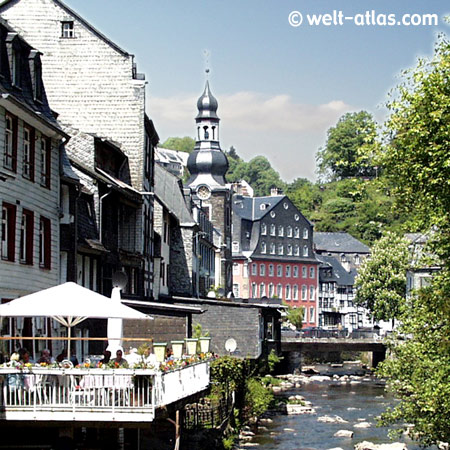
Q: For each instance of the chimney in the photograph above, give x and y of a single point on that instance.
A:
(274, 192)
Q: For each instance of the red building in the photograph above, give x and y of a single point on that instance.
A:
(273, 253)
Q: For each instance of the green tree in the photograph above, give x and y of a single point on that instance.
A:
(305, 195)
(416, 161)
(295, 316)
(381, 280)
(346, 152)
(185, 144)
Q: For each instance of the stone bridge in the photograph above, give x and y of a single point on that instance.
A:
(334, 345)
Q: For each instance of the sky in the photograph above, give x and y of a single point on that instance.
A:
(279, 87)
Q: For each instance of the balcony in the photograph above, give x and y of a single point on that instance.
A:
(97, 395)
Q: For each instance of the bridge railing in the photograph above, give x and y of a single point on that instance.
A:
(317, 333)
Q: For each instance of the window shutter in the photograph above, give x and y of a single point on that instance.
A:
(29, 236)
(11, 232)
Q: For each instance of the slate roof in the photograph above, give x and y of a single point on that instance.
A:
(338, 242)
(249, 208)
(66, 169)
(339, 274)
(168, 192)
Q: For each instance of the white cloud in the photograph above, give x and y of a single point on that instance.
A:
(287, 132)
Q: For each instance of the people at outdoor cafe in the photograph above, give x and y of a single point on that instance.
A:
(24, 356)
(106, 357)
(119, 360)
(46, 357)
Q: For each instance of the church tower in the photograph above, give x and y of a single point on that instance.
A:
(207, 165)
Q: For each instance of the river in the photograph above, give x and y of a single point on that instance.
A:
(352, 402)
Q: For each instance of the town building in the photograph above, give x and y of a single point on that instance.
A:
(184, 242)
(273, 253)
(95, 86)
(173, 161)
(207, 166)
(340, 255)
(31, 145)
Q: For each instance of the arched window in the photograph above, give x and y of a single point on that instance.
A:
(295, 292)
(279, 290)
(273, 248)
(271, 290)
(289, 231)
(272, 229)
(262, 290)
(262, 270)
(280, 230)
(304, 292)
(295, 271)
(213, 132)
(254, 294)
(263, 247)
(206, 134)
(279, 270)
(263, 229)
(305, 250)
(288, 271)
(297, 232)
(288, 292)
(271, 271)
(280, 249)
(305, 233)
(289, 249)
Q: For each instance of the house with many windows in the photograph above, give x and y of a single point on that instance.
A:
(273, 253)
(340, 255)
(31, 145)
(96, 88)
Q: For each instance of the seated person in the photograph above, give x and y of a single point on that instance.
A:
(46, 357)
(24, 356)
(119, 360)
(106, 357)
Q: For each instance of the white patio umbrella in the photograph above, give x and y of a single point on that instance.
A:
(69, 304)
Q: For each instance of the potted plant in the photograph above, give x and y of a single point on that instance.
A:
(203, 338)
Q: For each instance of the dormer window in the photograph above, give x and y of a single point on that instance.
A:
(67, 30)
(16, 65)
(37, 80)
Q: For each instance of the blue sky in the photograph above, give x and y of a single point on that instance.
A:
(279, 88)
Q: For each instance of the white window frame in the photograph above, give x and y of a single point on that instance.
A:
(9, 143)
(280, 290)
(288, 271)
(312, 272)
(254, 269)
(312, 292)
(295, 292)
(26, 156)
(304, 272)
(273, 229)
(263, 229)
(304, 292)
(280, 249)
(262, 270)
(305, 250)
(263, 247)
(289, 231)
(297, 232)
(288, 291)
(271, 270)
(295, 272)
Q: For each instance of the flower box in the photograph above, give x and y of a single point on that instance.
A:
(160, 351)
(204, 344)
(191, 345)
(177, 348)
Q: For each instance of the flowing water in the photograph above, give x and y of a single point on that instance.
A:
(351, 402)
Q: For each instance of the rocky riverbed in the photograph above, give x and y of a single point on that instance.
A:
(335, 412)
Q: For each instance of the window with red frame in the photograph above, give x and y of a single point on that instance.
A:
(45, 243)
(26, 237)
(8, 232)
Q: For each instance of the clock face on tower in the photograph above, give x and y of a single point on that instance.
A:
(203, 192)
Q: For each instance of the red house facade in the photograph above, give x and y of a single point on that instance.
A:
(273, 253)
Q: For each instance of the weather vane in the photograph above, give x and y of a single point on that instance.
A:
(206, 53)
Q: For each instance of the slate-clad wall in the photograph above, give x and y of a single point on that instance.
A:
(231, 321)
(88, 81)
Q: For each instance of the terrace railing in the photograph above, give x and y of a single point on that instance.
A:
(128, 395)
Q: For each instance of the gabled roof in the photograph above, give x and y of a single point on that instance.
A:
(338, 274)
(338, 242)
(255, 208)
(80, 19)
(168, 192)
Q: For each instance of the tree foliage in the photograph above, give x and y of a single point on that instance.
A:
(184, 144)
(381, 280)
(258, 172)
(295, 316)
(416, 161)
(346, 151)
